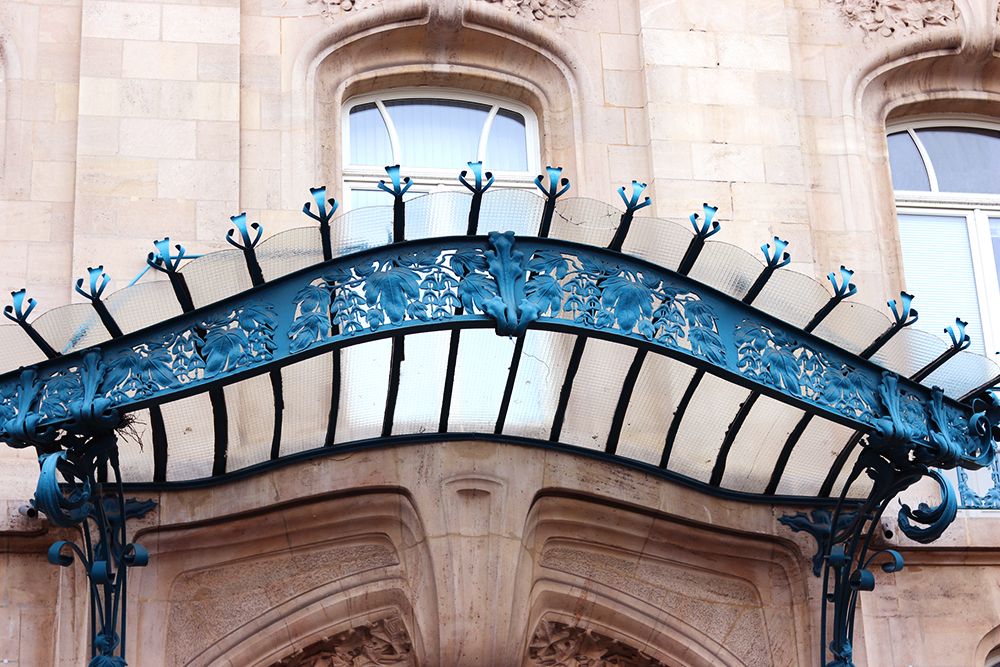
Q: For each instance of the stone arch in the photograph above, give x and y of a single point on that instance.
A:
(680, 594)
(988, 649)
(416, 42)
(951, 69)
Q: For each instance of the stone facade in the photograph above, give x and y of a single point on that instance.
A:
(121, 120)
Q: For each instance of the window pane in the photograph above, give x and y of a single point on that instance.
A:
(507, 146)
(369, 138)
(907, 168)
(937, 264)
(995, 237)
(964, 159)
(439, 134)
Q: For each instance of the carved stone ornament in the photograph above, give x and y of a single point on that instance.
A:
(897, 17)
(383, 642)
(539, 10)
(559, 645)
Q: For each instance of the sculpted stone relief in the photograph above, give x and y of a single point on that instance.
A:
(559, 645)
(383, 642)
(538, 10)
(887, 18)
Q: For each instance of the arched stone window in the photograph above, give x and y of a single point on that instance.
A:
(946, 179)
(432, 133)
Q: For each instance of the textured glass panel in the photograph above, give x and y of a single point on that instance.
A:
(704, 425)
(437, 134)
(250, 406)
(965, 159)
(369, 136)
(963, 373)
(930, 243)
(539, 380)
(585, 221)
(143, 305)
(361, 228)
(662, 242)
(71, 327)
(363, 390)
(290, 251)
(215, 276)
(812, 457)
(480, 378)
(190, 438)
(308, 388)
(507, 145)
(516, 210)
(862, 485)
(16, 349)
(726, 268)
(910, 350)
(136, 458)
(421, 383)
(438, 214)
(596, 389)
(657, 392)
(908, 172)
(792, 297)
(995, 239)
(852, 326)
(758, 444)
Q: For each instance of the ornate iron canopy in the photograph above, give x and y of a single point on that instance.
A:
(501, 314)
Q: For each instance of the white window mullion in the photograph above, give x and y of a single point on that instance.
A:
(397, 152)
(928, 165)
(485, 136)
(984, 263)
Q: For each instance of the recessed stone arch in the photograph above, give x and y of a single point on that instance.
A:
(468, 46)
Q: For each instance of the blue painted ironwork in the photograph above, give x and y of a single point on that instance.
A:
(398, 189)
(501, 282)
(98, 282)
(247, 245)
(969, 499)
(17, 313)
(165, 262)
(632, 204)
(72, 492)
(477, 188)
(323, 216)
(704, 227)
(959, 341)
(555, 189)
(910, 440)
(818, 523)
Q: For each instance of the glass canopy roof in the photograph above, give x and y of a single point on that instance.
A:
(595, 393)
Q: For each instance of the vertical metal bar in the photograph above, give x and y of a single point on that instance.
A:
(508, 391)
(556, 188)
(624, 399)
(567, 389)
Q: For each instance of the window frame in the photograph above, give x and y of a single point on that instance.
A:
(431, 179)
(976, 208)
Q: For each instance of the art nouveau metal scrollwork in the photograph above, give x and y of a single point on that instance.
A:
(909, 441)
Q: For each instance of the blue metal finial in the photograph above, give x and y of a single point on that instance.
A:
(553, 190)
(707, 226)
(240, 221)
(477, 194)
(319, 195)
(399, 188)
(959, 339)
(779, 258)
(98, 282)
(845, 287)
(399, 185)
(324, 217)
(162, 260)
(632, 204)
(477, 171)
(552, 193)
(17, 312)
(906, 314)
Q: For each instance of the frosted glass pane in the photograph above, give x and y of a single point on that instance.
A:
(964, 159)
(908, 172)
(506, 147)
(438, 134)
(995, 238)
(937, 264)
(369, 137)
